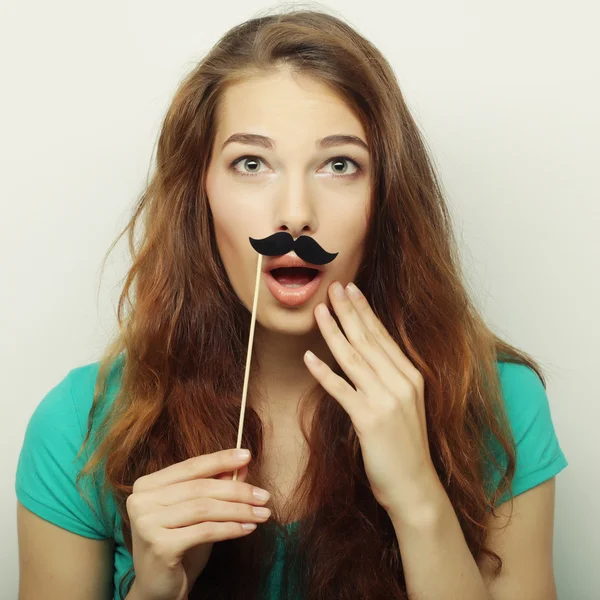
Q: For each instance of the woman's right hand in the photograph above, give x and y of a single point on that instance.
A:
(177, 514)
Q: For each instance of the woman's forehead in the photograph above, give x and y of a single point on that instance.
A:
(280, 106)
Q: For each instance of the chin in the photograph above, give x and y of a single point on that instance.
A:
(290, 322)
(298, 321)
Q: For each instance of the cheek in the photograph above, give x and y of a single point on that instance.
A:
(230, 242)
(351, 235)
(234, 221)
(351, 230)
(228, 219)
(235, 259)
(231, 234)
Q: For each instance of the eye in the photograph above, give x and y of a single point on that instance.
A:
(345, 159)
(250, 159)
(255, 160)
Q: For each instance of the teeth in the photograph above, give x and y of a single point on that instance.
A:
(293, 285)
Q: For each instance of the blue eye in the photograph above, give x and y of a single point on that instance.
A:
(337, 159)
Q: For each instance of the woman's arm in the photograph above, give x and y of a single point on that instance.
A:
(56, 564)
(439, 566)
(525, 546)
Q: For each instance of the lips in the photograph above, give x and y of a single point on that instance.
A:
(294, 276)
(306, 282)
(288, 260)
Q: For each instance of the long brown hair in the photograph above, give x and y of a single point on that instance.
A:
(184, 335)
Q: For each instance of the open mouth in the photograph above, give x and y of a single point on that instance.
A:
(294, 277)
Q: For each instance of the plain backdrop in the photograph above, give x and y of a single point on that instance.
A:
(506, 95)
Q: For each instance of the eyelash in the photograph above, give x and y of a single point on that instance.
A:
(358, 165)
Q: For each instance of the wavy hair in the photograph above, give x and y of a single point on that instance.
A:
(183, 332)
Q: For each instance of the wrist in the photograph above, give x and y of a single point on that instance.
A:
(424, 510)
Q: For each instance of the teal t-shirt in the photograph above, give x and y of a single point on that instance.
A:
(46, 471)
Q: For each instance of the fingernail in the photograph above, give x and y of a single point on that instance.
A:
(261, 494)
(338, 290)
(261, 511)
(241, 454)
(311, 358)
(352, 290)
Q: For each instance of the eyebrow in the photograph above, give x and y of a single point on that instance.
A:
(331, 141)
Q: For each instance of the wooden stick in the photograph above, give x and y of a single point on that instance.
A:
(248, 356)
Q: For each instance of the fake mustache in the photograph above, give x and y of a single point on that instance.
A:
(282, 242)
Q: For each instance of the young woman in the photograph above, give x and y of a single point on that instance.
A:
(414, 457)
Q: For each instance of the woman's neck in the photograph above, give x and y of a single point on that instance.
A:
(283, 378)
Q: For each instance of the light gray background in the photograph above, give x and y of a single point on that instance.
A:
(507, 95)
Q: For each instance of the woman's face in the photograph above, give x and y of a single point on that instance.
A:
(295, 186)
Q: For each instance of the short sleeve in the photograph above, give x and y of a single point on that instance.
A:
(539, 455)
(46, 470)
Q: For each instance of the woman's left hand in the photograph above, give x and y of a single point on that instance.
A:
(387, 407)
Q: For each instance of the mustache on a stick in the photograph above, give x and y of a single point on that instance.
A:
(277, 244)
(304, 246)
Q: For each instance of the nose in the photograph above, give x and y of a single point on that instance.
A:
(296, 210)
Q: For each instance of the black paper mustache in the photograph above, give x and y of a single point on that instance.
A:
(282, 242)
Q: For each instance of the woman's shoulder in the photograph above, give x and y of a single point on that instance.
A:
(521, 387)
(527, 406)
(82, 382)
(48, 462)
(526, 401)
(65, 408)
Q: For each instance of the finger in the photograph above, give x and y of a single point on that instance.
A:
(201, 510)
(381, 334)
(206, 465)
(242, 473)
(349, 359)
(364, 341)
(351, 400)
(220, 489)
(182, 539)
